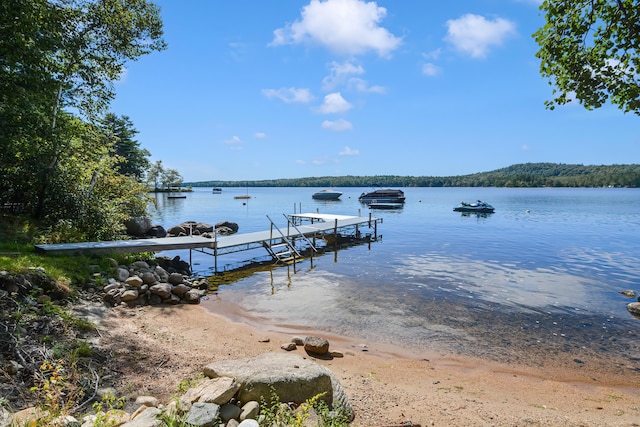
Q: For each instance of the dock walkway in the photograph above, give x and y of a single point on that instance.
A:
(303, 225)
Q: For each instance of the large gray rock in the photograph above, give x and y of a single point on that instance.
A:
(138, 226)
(203, 414)
(292, 377)
(212, 390)
(147, 418)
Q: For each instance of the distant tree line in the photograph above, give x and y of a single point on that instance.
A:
(521, 175)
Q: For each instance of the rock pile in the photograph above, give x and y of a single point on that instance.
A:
(235, 393)
(143, 284)
(143, 228)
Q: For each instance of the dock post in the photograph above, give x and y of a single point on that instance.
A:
(375, 230)
(215, 252)
(271, 234)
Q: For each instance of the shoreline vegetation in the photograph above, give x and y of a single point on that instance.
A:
(187, 189)
(519, 175)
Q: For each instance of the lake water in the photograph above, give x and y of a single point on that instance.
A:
(537, 281)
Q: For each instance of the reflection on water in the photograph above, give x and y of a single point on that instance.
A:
(538, 278)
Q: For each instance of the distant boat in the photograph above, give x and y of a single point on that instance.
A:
(177, 197)
(478, 206)
(246, 196)
(216, 190)
(327, 195)
(385, 205)
(383, 196)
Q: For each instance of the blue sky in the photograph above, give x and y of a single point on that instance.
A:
(251, 90)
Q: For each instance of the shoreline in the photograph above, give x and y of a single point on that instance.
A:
(565, 367)
(385, 387)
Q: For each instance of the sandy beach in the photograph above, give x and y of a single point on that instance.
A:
(158, 347)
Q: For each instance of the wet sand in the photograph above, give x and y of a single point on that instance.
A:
(387, 385)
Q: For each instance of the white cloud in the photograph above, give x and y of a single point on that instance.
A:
(360, 85)
(260, 135)
(289, 95)
(474, 34)
(430, 69)
(524, 147)
(349, 152)
(301, 162)
(347, 27)
(234, 140)
(337, 125)
(339, 73)
(334, 103)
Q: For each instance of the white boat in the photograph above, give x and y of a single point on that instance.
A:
(327, 195)
(216, 190)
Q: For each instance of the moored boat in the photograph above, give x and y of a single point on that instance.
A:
(383, 196)
(477, 206)
(385, 205)
(216, 190)
(327, 195)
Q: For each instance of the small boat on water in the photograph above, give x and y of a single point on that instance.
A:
(384, 205)
(216, 190)
(383, 196)
(477, 206)
(177, 197)
(245, 196)
(327, 195)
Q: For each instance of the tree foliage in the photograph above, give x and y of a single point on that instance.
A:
(589, 49)
(160, 178)
(133, 160)
(58, 62)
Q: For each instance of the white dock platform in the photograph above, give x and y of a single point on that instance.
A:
(316, 225)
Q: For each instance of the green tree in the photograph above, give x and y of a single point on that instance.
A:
(155, 173)
(589, 49)
(58, 61)
(171, 178)
(120, 132)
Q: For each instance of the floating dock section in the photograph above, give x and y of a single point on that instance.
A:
(283, 244)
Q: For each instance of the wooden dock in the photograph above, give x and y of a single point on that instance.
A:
(280, 242)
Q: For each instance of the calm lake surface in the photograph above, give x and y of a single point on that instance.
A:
(538, 280)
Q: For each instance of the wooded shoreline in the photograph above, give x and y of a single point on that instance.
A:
(521, 175)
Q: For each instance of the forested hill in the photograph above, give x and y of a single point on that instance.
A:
(521, 175)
